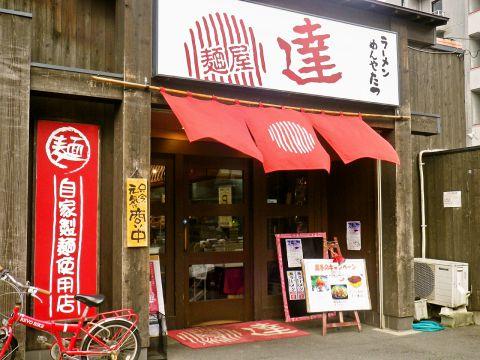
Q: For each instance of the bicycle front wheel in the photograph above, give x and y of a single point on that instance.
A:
(10, 351)
(113, 332)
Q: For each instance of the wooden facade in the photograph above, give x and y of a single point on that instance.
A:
(14, 142)
(440, 94)
(58, 45)
(77, 34)
(453, 233)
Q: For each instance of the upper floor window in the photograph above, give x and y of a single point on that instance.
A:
(437, 7)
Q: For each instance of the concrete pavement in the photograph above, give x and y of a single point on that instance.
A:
(460, 343)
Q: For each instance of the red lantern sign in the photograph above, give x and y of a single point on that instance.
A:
(66, 209)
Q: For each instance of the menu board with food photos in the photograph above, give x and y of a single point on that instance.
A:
(331, 286)
(291, 250)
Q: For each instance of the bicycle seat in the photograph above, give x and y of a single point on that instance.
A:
(90, 300)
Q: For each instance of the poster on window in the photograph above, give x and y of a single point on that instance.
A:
(294, 252)
(66, 212)
(354, 235)
(230, 42)
(225, 198)
(336, 287)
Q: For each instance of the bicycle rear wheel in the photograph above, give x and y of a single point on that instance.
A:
(111, 332)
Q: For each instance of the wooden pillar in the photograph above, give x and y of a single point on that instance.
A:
(130, 277)
(15, 45)
(397, 207)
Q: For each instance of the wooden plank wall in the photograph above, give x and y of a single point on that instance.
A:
(18, 5)
(436, 87)
(75, 33)
(15, 40)
(454, 233)
(397, 245)
(351, 197)
(131, 146)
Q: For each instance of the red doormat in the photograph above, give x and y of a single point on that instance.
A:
(238, 333)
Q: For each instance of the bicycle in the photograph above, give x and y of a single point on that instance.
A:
(108, 335)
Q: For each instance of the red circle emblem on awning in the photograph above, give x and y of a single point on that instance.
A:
(291, 137)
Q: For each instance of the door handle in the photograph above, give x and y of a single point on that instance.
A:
(185, 235)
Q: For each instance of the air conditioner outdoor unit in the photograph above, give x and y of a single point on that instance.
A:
(439, 13)
(441, 282)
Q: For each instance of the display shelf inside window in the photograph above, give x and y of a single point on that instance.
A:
(215, 233)
(287, 188)
(157, 201)
(285, 225)
(216, 282)
(207, 186)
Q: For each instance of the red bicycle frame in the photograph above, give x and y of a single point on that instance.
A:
(78, 330)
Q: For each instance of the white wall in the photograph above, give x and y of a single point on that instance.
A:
(474, 5)
(476, 119)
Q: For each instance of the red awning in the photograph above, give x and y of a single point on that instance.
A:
(352, 138)
(282, 139)
(203, 119)
(286, 139)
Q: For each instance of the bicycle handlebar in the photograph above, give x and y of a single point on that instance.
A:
(43, 291)
(30, 289)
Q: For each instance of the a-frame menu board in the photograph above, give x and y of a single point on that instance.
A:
(291, 250)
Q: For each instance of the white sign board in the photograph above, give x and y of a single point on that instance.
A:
(336, 287)
(452, 199)
(156, 303)
(354, 235)
(237, 42)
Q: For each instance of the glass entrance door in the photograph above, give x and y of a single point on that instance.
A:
(215, 239)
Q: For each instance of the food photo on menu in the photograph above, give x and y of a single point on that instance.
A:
(339, 292)
(319, 283)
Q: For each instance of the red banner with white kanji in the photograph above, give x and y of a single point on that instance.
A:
(66, 210)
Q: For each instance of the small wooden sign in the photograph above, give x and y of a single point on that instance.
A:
(137, 212)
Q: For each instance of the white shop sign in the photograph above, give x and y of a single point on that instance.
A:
(336, 287)
(237, 42)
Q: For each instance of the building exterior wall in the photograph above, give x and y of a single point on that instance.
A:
(452, 233)
(15, 42)
(429, 90)
(63, 45)
(463, 17)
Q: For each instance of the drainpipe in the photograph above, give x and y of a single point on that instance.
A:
(422, 198)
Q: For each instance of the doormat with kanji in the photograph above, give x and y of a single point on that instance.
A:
(238, 333)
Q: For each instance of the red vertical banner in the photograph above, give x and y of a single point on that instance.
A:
(66, 210)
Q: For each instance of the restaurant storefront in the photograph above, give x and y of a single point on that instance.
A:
(219, 193)
(225, 264)
(217, 203)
